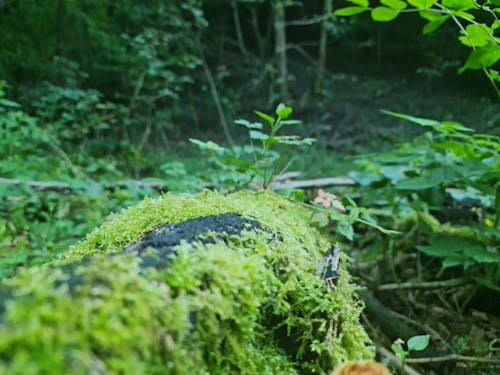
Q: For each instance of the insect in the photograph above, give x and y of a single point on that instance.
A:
(328, 267)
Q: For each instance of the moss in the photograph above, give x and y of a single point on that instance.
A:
(251, 304)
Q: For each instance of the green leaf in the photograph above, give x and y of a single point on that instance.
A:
(8, 103)
(459, 4)
(433, 25)
(365, 178)
(400, 353)
(429, 15)
(345, 229)
(255, 134)
(283, 111)
(294, 140)
(458, 251)
(483, 57)
(384, 14)
(271, 141)
(417, 183)
(453, 261)
(434, 177)
(480, 254)
(463, 14)
(263, 116)
(494, 74)
(207, 145)
(361, 3)
(248, 124)
(452, 126)
(320, 219)
(394, 173)
(478, 35)
(418, 343)
(394, 4)
(349, 11)
(416, 120)
(422, 4)
(487, 283)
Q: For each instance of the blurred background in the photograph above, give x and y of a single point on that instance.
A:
(98, 100)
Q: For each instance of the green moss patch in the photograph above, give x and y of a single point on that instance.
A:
(247, 303)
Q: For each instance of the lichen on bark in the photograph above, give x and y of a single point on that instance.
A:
(248, 303)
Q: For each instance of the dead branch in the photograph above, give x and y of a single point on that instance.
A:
(63, 187)
(426, 285)
(454, 357)
(313, 183)
(281, 182)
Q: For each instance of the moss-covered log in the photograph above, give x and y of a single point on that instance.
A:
(233, 292)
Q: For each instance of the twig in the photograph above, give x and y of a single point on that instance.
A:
(286, 176)
(453, 357)
(78, 173)
(425, 285)
(395, 360)
(309, 21)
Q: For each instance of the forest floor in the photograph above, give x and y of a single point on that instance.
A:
(461, 317)
(406, 287)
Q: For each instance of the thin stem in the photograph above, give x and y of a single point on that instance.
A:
(215, 96)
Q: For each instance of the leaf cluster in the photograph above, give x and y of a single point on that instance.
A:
(478, 25)
(447, 184)
(266, 154)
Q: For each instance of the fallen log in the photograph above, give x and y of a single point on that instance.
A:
(186, 284)
(313, 183)
(64, 188)
(282, 182)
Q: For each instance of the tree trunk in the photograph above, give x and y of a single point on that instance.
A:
(237, 26)
(280, 49)
(322, 47)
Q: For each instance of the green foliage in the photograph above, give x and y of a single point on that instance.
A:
(447, 183)
(414, 344)
(75, 115)
(258, 164)
(333, 211)
(479, 36)
(35, 226)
